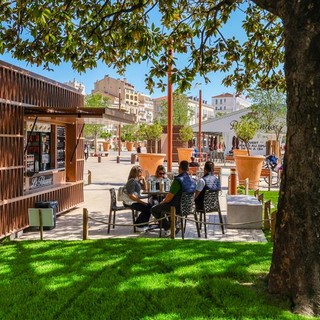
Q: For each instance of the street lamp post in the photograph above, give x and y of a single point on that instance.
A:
(170, 112)
(200, 123)
(119, 130)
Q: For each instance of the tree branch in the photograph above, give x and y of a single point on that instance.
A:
(272, 6)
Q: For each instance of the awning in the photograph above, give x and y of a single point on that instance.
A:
(89, 115)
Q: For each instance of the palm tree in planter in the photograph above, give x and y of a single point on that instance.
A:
(150, 161)
(247, 166)
(185, 135)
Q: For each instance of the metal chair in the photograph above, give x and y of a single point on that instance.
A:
(187, 207)
(210, 204)
(115, 208)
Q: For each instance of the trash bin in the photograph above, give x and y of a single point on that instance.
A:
(133, 158)
(51, 205)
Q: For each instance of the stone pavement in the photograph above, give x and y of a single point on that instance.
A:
(110, 174)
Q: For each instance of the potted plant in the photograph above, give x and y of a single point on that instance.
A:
(247, 166)
(185, 135)
(106, 135)
(150, 161)
(129, 135)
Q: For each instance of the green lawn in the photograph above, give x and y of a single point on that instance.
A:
(137, 279)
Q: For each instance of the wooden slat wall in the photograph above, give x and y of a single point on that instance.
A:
(14, 214)
(28, 88)
(19, 88)
(11, 160)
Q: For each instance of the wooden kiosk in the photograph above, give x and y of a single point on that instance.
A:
(41, 145)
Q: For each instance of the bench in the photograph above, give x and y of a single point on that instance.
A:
(242, 209)
(265, 173)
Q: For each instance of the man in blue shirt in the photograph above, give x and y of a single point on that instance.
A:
(181, 183)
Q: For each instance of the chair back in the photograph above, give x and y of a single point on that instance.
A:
(211, 201)
(113, 198)
(187, 205)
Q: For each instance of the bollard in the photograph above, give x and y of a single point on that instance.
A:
(85, 224)
(89, 177)
(233, 181)
(133, 158)
(173, 222)
(99, 158)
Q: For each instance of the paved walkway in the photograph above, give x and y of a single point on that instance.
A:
(110, 174)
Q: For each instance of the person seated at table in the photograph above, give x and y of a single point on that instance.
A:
(193, 162)
(208, 182)
(159, 176)
(183, 182)
(133, 198)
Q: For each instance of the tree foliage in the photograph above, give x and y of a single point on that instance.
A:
(123, 32)
(130, 133)
(245, 129)
(151, 132)
(270, 110)
(185, 133)
(181, 111)
(95, 100)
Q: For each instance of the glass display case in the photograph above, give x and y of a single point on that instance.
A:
(39, 148)
(61, 143)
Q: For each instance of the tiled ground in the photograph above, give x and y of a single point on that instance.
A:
(108, 174)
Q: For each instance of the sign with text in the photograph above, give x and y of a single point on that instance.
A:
(41, 181)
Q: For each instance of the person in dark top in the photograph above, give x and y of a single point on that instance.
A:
(208, 182)
(181, 183)
(86, 151)
(139, 148)
(193, 163)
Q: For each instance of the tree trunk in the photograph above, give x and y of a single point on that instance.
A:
(295, 268)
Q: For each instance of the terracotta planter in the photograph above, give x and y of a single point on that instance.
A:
(249, 167)
(106, 146)
(185, 154)
(129, 146)
(240, 152)
(150, 161)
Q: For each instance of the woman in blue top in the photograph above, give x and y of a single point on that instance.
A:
(181, 183)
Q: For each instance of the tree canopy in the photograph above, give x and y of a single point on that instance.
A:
(95, 100)
(269, 107)
(123, 32)
(181, 111)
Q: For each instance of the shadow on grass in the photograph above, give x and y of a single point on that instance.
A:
(137, 279)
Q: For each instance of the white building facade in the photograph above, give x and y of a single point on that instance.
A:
(227, 102)
(123, 94)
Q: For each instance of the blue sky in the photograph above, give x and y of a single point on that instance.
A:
(135, 74)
